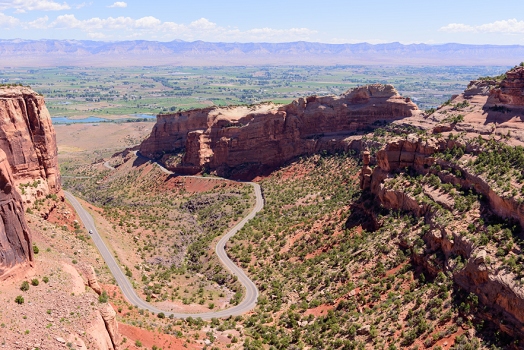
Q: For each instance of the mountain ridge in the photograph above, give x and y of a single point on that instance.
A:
(50, 52)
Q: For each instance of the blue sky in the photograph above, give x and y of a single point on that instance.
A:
(329, 21)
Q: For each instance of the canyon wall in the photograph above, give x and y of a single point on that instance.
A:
(29, 141)
(28, 169)
(498, 287)
(495, 287)
(511, 89)
(226, 139)
(15, 236)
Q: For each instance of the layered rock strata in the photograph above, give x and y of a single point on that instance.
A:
(28, 168)
(495, 288)
(264, 136)
(511, 90)
(29, 142)
(418, 154)
(15, 236)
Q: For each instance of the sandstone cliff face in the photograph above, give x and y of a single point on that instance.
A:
(28, 139)
(28, 155)
(495, 287)
(419, 154)
(266, 135)
(511, 89)
(98, 333)
(109, 316)
(104, 329)
(480, 87)
(15, 236)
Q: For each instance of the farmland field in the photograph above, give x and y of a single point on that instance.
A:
(114, 93)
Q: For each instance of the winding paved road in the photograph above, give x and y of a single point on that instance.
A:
(107, 165)
(251, 296)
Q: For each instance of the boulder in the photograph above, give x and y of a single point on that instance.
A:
(89, 273)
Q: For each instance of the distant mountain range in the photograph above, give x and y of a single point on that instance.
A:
(17, 53)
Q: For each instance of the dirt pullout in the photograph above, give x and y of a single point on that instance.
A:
(77, 139)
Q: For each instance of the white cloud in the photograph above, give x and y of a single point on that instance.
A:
(119, 4)
(152, 28)
(33, 5)
(8, 21)
(457, 28)
(93, 24)
(39, 23)
(148, 27)
(148, 23)
(82, 5)
(510, 26)
(203, 24)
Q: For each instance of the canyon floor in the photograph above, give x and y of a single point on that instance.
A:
(418, 245)
(61, 311)
(327, 278)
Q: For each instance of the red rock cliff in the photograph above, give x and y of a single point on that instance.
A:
(266, 135)
(511, 90)
(15, 237)
(495, 287)
(28, 155)
(29, 141)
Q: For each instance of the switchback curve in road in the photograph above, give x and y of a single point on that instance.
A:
(251, 296)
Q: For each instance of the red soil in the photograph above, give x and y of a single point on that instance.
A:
(291, 241)
(150, 338)
(394, 270)
(197, 185)
(320, 310)
(449, 340)
(63, 215)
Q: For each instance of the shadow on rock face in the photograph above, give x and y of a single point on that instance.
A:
(359, 217)
(140, 161)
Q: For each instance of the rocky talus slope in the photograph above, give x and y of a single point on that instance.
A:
(251, 139)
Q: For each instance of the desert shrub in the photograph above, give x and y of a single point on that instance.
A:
(103, 298)
(25, 286)
(430, 111)
(19, 299)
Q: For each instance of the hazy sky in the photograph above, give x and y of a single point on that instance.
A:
(329, 21)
